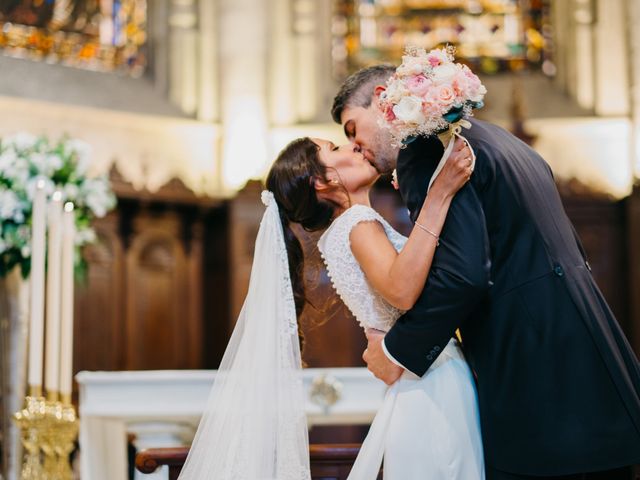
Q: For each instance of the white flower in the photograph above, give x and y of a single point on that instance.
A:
(21, 141)
(479, 94)
(96, 195)
(409, 110)
(70, 192)
(32, 184)
(444, 73)
(84, 236)
(46, 164)
(82, 151)
(9, 205)
(395, 91)
(7, 159)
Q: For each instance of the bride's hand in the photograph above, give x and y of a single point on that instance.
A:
(457, 170)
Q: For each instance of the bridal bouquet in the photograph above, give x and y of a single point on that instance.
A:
(63, 165)
(429, 93)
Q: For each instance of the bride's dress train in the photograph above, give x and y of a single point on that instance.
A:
(429, 427)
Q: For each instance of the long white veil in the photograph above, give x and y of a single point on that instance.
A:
(254, 425)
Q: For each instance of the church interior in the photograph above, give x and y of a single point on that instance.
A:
(184, 105)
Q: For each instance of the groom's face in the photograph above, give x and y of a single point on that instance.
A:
(361, 128)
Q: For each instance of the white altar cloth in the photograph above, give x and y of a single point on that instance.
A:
(162, 409)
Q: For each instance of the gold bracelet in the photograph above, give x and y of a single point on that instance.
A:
(430, 233)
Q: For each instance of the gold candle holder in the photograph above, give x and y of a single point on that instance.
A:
(67, 434)
(49, 429)
(31, 421)
(53, 416)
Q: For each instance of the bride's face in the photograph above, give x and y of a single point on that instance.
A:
(346, 165)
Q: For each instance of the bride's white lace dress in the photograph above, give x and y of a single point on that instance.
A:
(427, 428)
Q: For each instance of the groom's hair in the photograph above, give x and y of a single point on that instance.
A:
(357, 90)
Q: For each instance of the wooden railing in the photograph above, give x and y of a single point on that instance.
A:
(328, 462)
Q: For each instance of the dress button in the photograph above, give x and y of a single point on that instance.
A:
(429, 357)
(558, 270)
(436, 348)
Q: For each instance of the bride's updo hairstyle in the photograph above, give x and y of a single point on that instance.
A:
(292, 181)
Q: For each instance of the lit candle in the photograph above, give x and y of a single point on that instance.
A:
(66, 328)
(36, 312)
(52, 352)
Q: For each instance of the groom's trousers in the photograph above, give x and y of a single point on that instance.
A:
(625, 473)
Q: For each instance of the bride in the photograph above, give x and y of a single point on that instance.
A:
(254, 424)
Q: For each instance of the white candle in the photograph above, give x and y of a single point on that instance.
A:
(66, 328)
(36, 311)
(52, 352)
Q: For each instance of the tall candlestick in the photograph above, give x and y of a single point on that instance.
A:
(52, 352)
(36, 321)
(66, 338)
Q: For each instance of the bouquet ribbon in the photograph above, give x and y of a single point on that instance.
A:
(448, 139)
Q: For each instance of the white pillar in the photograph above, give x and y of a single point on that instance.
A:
(582, 85)
(208, 108)
(243, 65)
(306, 54)
(183, 55)
(282, 65)
(611, 55)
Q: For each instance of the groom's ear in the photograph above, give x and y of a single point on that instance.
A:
(376, 94)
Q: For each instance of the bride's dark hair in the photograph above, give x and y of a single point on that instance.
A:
(292, 181)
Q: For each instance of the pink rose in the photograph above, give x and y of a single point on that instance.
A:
(460, 84)
(418, 85)
(433, 61)
(446, 95)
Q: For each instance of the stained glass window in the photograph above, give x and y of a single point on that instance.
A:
(490, 35)
(103, 35)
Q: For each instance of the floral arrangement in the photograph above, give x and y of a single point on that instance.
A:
(26, 159)
(428, 93)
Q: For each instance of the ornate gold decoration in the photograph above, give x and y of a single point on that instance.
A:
(49, 430)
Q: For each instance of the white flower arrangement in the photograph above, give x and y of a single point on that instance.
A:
(26, 159)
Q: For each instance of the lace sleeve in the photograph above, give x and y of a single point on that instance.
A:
(345, 273)
(335, 241)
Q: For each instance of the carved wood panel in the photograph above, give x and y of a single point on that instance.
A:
(156, 289)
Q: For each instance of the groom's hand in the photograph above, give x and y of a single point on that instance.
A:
(377, 361)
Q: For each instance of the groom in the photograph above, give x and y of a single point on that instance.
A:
(558, 384)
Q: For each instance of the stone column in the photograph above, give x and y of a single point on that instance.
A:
(208, 108)
(243, 82)
(282, 65)
(305, 54)
(183, 54)
(611, 55)
(582, 85)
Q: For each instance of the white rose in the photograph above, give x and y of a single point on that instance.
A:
(409, 110)
(444, 73)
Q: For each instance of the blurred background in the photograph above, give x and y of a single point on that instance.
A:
(185, 104)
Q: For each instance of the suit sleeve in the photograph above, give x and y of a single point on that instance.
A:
(458, 280)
